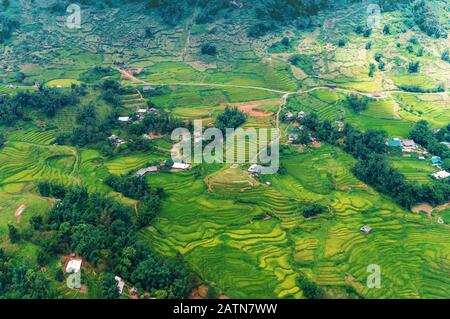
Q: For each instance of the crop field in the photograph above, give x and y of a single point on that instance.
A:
(248, 257)
(381, 113)
(414, 169)
(435, 108)
(244, 234)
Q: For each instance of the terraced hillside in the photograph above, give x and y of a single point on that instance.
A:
(263, 257)
(243, 234)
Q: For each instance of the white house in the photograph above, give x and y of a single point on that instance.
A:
(74, 266)
(441, 175)
(143, 171)
(124, 119)
(181, 166)
(366, 229)
(142, 111)
(120, 284)
(255, 169)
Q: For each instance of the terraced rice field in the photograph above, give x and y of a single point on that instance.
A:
(414, 170)
(248, 257)
(435, 108)
(330, 105)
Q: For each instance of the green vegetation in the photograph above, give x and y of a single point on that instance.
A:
(68, 173)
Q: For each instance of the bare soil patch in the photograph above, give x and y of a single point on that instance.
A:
(19, 212)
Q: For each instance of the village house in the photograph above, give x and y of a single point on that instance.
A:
(340, 126)
(73, 266)
(116, 140)
(289, 116)
(301, 115)
(148, 89)
(181, 166)
(124, 119)
(436, 161)
(441, 175)
(394, 143)
(292, 137)
(120, 284)
(408, 146)
(366, 229)
(148, 170)
(255, 169)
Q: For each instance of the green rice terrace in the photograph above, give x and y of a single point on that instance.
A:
(86, 169)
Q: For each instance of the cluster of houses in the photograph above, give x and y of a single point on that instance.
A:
(409, 146)
(140, 113)
(114, 139)
(155, 168)
(74, 267)
(291, 116)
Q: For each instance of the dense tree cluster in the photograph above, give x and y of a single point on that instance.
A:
(7, 27)
(89, 128)
(423, 135)
(131, 186)
(111, 91)
(96, 74)
(230, 118)
(357, 103)
(171, 12)
(2, 139)
(105, 233)
(210, 9)
(428, 21)
(312, 210)
(310, 289)
(159, 122)
(46, 100)
(373, 166)
(209, 49)
(20, 281)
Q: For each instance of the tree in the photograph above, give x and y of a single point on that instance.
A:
(310, 289)
(110, 289)
(387, 29)
(149, 209)
(368, 45)
(371, 70)
(295, 59)
(13, 234)
(230, 118)
(342, 42)
(367, 32)
(413, 67)
(420, 52)
(312, 210)
(378, 56)
(286, 42)
(2, 139)
(59, 275)
(446, 55)
(209, 49)
(356, 103)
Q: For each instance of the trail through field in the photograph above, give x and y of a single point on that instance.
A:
(19, 212)
(425, 207)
